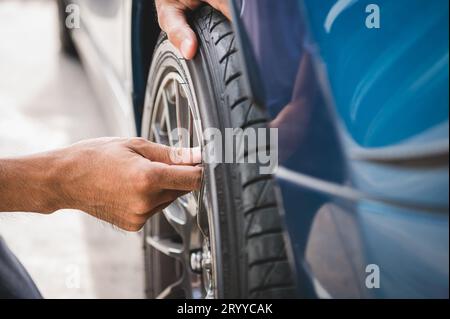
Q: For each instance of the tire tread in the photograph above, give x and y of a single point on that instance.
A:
(269, 271)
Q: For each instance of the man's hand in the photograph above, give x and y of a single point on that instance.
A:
(172, 20)
(121, 181)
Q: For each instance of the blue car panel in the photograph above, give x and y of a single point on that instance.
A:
(362, 114)
(392, 77)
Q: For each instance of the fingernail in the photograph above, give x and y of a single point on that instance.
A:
(197, 155)
(186, 48)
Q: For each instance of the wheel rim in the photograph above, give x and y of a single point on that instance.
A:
(180, 248)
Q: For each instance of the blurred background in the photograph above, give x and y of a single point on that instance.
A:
(46, 102)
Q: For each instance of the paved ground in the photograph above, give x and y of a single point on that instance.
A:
(46, 102)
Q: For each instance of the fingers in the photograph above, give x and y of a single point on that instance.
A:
(183, 178)
(185, 156)
(172, 20)
(165, 154)
(134, 222)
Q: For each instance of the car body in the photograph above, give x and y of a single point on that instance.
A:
(362, 114)
(115, 43)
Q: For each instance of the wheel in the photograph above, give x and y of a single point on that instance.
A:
(67, 45)
(225, 241)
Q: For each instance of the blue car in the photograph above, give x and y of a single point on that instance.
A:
(351, 96)
(365, 187)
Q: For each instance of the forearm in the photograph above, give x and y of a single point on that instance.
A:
(29, 184)
(121, 181)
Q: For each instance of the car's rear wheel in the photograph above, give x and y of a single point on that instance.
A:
(225, 241)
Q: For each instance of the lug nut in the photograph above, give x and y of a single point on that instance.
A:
(196, 261)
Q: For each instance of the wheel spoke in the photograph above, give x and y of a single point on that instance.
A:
(189, 204)
(166, 246)
(176, 218)
(166, 116)
(173, 291)
(183, 116)
(163, 115)
(157, 134)
(169, 118)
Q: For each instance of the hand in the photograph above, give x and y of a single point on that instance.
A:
(172, 20)
(125, 181)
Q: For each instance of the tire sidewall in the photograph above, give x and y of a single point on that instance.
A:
(225, 224)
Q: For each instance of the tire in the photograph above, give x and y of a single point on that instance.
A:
(67, 44)
(248, 247)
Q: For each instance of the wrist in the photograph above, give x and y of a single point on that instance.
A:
(56, 175)
(66, 168)
(45, 182)
(51, 181)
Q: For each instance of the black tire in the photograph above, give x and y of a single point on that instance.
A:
(254, 258)
(67, 44)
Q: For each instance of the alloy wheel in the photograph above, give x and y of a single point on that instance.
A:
(179, 238)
